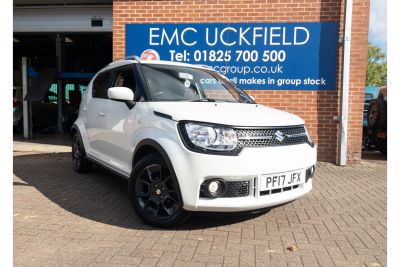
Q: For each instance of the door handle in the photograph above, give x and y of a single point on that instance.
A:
(102, 114)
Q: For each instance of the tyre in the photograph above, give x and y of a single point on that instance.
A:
(154, 193)
(79, 161)
(376, 115)
(366, 141)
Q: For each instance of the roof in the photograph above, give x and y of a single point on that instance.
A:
(135, 59)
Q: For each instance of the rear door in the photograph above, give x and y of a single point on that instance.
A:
(96, 112)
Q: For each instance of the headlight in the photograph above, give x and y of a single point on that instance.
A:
(211, 137)
(309, 137)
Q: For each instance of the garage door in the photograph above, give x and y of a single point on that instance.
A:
(63, 19)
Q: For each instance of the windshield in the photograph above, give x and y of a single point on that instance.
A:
(179, 83)
(368, 97)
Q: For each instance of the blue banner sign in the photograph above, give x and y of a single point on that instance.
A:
(260, 56)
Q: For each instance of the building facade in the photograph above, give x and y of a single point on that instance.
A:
(320, 109)
(91, 33)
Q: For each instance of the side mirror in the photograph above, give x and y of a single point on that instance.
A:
(120, 94)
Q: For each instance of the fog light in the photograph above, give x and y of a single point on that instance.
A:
(213, 188)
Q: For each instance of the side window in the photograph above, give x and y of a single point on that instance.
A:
(125, 78)
(101, 85)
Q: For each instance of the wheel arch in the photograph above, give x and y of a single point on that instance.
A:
(74, 130)
(148, 146)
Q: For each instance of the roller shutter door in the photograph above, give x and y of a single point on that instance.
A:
(63, 19)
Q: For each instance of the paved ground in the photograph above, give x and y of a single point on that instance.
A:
(65, 219)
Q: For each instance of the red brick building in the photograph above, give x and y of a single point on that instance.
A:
(38, 34)
(320, 109)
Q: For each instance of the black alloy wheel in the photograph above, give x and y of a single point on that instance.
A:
(366, 142)
(79, 161)
(154, 193)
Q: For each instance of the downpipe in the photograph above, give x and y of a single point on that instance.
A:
(344, 99)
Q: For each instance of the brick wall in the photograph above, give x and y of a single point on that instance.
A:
(317, 108)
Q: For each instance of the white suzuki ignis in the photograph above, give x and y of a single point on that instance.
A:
(188, 139)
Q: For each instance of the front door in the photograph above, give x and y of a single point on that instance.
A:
(119, 124)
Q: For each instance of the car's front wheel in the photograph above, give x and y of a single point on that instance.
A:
(154, 193)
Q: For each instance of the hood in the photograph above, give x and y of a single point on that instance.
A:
(233, 114)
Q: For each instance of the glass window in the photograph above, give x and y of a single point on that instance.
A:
(368, 97)
(180, 83)
(125, 78)
(101, 85)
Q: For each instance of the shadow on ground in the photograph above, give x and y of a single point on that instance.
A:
(99, 195)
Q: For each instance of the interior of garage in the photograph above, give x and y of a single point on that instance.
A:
(62, 44)
(83, 55)
(83, 52)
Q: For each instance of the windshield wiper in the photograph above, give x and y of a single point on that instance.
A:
(203, 100)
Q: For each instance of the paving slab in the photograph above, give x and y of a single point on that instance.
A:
(69, 219)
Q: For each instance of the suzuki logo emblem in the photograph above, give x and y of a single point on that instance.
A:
(279, 136)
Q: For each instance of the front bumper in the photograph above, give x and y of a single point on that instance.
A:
(252, 201)
(192, 169)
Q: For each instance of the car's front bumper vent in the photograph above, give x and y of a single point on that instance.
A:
(237, 189)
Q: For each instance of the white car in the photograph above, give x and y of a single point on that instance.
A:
(187, 139)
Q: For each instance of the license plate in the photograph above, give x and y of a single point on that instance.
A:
(283, 179)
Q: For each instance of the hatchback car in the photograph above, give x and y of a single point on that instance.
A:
(187, 139)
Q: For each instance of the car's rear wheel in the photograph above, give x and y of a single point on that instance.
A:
(154, 193)
(79, 161)
(366, 141)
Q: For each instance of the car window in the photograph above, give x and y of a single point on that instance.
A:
(181, 83)
(368, 97)
(101, 85)
(125, 78)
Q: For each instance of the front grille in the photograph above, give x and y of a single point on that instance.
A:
(271, 137)
(237, 189)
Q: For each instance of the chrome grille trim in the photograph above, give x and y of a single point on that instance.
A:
(271, 136)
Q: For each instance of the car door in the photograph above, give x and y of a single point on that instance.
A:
(96, 111)
(119, 123)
